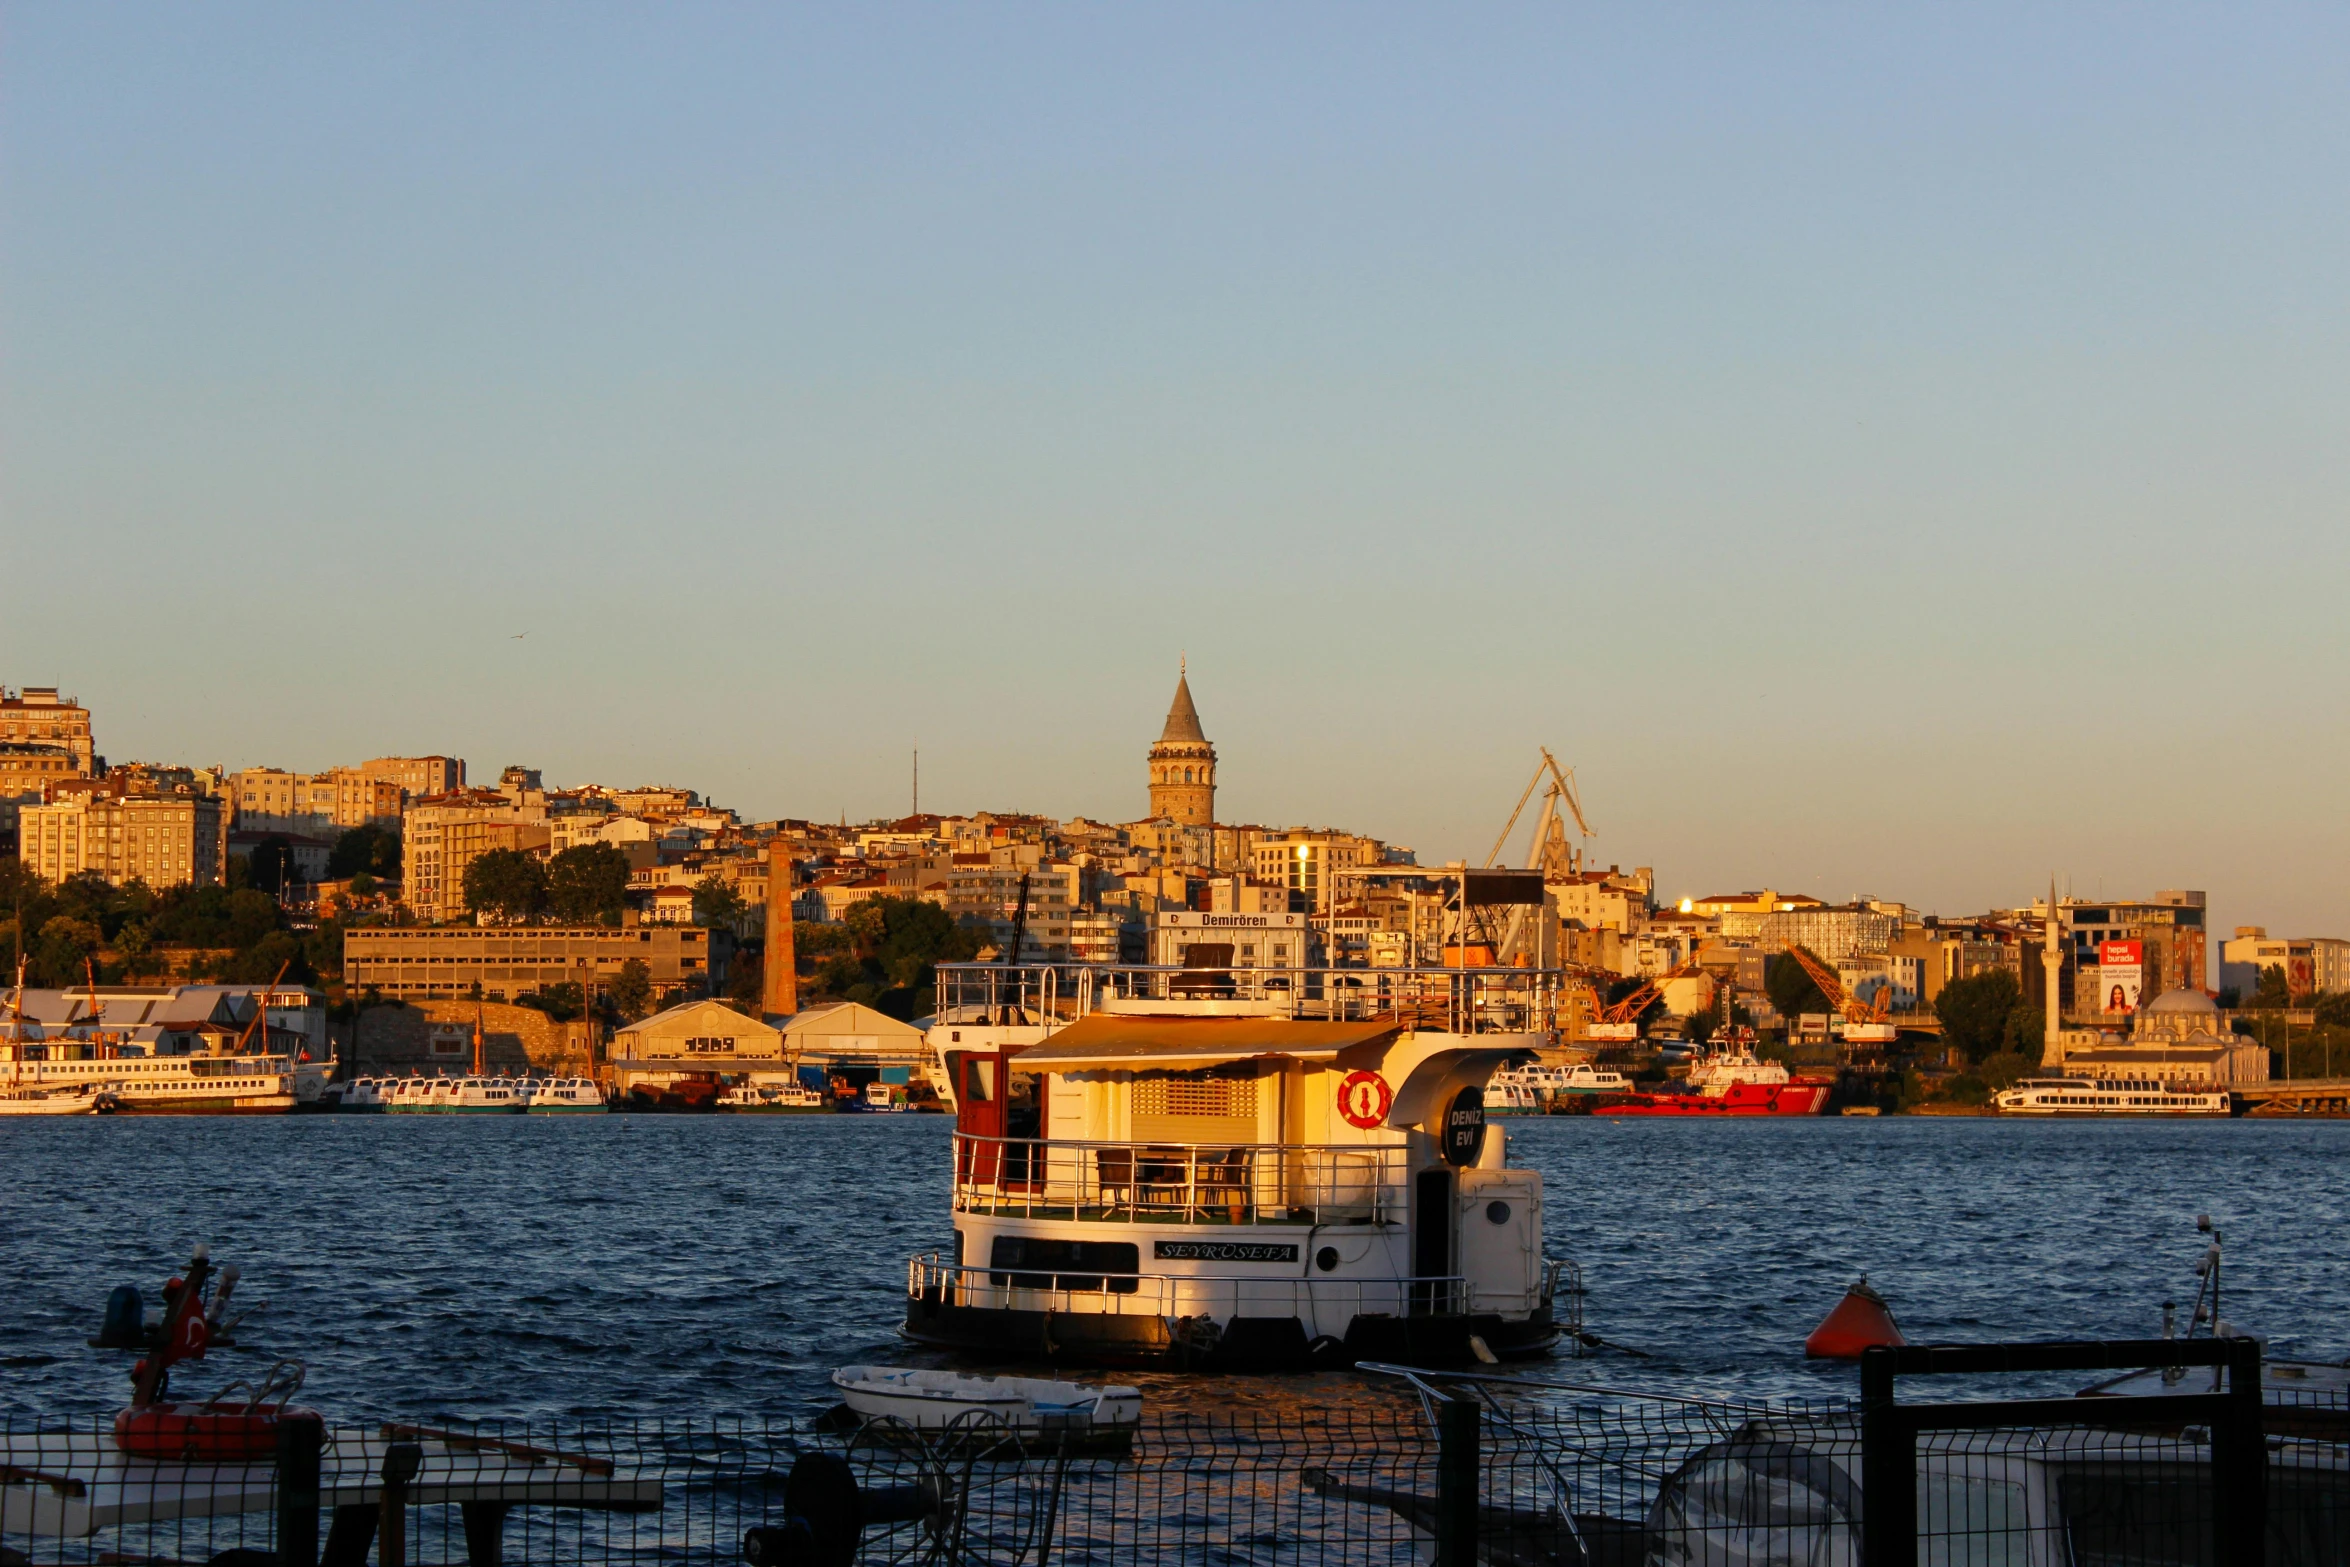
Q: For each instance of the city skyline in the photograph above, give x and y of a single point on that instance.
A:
(1897, 456)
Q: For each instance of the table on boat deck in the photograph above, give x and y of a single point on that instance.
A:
(69, 1485)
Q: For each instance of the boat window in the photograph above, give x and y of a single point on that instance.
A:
(1037, 1251)
(978, 1080)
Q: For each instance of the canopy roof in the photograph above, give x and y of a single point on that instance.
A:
(1183, 1043)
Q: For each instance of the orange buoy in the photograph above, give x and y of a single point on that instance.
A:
(1860, 1321)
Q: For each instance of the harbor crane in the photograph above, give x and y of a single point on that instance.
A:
(1864, 1023)
(1549, 851)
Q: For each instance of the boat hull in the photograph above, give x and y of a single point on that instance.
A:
(193, 1104)
(1741, 1099)
(1138, 1342)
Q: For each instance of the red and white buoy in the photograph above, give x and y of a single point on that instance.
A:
(1860, 1321)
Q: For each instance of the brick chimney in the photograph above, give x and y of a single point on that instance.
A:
(779, 991)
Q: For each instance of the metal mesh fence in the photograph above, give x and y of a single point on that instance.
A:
(1549, 1473)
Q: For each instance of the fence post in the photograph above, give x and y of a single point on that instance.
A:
(2239, 1465)
(1457, 1464)
(1888, 1468)
(401, 1461)
(298, 1444)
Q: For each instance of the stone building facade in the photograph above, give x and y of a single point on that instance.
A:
(1183, 765)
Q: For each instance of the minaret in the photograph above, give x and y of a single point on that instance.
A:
(2052, 968)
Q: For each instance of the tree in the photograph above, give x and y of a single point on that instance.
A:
(588, 884)
(1791, 989)
(905, 937)
(631, 990)
(368, 850)
(1975, 1010)
(506, 884)
(1702, 1026)
(60, 948)
(746, 974)
(717, 903)
(2275, 993)
(136, 950)
(271, 865)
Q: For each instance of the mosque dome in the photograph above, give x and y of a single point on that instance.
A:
(2193, 1002)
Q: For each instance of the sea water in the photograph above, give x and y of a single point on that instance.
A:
(649, 1265)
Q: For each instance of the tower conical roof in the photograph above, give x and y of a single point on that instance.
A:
(1182, 718)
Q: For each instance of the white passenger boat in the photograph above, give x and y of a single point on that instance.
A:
(1265, 1176)
(2074, 1096)
(1584, 1078)
(1517, 1091)
(466, 1095)
(207, 1066)
(81, 1099)
(934, 1400)
(567, 1096)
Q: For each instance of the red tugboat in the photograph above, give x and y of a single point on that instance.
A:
(1730, 1081)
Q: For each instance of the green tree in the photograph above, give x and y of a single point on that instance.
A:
(1702, 1026)
(746, 974)
(588, 884)
(905, 937)
(1791, 989)
(507, 885)
(135, 947)
(1975, 1010)
(631, 990)
(369, 850)
(59, 950)
(717, 903)
(2275, 993)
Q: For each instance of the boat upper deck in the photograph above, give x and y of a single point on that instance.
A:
(1435, 1000)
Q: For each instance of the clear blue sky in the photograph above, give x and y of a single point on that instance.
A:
(1893, 450)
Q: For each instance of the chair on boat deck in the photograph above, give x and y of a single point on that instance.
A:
(1113, 1171)
(1224, 1183)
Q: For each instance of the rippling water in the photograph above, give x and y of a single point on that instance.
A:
(641, 1265)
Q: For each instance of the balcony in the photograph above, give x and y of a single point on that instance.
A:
(1186, 1183)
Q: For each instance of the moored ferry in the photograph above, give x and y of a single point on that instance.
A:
(2067, 1096)
(566, 1096)
(1213, 1171)
(467, 1095)
(172, 1050)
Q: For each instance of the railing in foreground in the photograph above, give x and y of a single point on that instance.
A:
(1324, 1304)
(1448, 1000)
(1249, 1183)
(1465, 1467)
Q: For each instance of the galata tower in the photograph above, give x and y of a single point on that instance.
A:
(1183, 765)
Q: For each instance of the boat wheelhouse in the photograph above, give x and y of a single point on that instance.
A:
(1232, 1169)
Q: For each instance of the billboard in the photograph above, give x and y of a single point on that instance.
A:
(2121, 975)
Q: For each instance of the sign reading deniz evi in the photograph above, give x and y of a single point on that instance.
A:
(1223, 1251)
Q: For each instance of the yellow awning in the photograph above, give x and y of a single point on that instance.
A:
(1184, 1043)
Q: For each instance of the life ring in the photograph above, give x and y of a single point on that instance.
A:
(1364, 1099)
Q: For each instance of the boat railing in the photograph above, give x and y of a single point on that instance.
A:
(1329, 1300)
(1183, 1183)
(1446, 1000)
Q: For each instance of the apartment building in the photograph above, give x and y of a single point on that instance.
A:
(37, 715)
(513, 961)
(2313, 965)
(1311, 862)
(420, 777)
(1604, 900)
(319, 805)
(446, 833)
(1827, 933)
(162, 840)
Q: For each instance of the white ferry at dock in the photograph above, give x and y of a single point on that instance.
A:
(2075, 1096)
(1234, 1169)
(170, 1050)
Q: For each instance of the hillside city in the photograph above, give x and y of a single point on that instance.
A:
(397, 881)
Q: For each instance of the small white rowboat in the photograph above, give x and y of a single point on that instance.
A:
(933, 1400)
